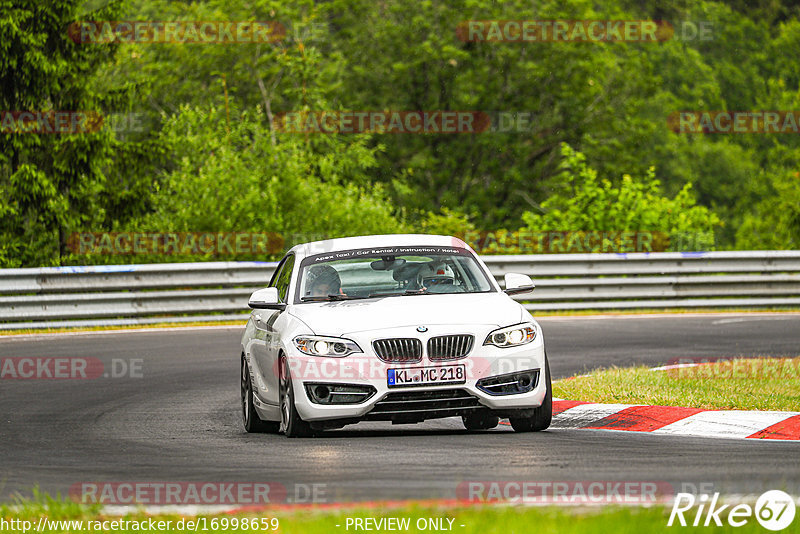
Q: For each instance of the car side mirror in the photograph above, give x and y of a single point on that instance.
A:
(266, 299)
(518, 283)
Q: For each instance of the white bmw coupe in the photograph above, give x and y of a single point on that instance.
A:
(399, 328)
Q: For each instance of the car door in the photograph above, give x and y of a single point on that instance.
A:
(265, 349)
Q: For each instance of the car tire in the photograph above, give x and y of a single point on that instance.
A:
(543, 415)
(292, 425)
(252, 422)
(480, 422)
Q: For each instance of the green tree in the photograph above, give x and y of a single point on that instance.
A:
(610, 101)
(50, 182)
(774, 221)
(588, 203)
(408, 56)
(232, 177)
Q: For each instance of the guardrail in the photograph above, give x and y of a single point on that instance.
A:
(180, 292)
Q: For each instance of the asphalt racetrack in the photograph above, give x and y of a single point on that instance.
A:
(180, 421)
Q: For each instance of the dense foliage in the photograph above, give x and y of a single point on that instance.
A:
(198, 150)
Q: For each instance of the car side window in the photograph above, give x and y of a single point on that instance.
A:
(283, 277)
(278, 271)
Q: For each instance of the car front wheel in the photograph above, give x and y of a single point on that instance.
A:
(542, 415)
(291, 423)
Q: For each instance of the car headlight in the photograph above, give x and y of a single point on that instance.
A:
(512, 336)
(335, 347)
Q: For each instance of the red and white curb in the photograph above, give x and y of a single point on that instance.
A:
(676, 421)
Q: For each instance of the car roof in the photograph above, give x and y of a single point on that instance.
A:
(385, 240)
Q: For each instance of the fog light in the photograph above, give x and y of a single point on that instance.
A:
(510, 384)
(338, 393)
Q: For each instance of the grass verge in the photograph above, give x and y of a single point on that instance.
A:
(729, 384)
(478, 519)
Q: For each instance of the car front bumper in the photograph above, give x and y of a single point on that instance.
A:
(366, 369)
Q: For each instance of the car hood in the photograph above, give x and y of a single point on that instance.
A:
(339, 318)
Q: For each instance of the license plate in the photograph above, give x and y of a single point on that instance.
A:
(426, 376)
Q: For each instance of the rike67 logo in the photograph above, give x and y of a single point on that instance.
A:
(774, 510)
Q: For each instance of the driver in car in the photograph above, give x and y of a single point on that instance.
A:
(323, 280)
(432, 276)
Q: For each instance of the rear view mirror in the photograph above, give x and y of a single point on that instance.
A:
(518, 283)
(388, 263)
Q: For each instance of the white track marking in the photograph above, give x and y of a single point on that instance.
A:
(584, 414)
(724, 423)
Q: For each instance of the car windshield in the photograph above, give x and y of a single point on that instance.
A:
(386, 272)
